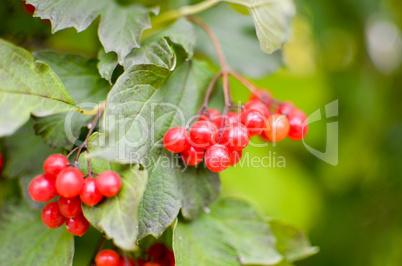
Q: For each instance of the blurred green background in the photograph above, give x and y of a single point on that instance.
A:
(349, 51)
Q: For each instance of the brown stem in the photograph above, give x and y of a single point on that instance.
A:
(91, 130)
(244, 81)
(204, 107)
(207, 29)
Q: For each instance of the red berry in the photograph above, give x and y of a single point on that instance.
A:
(298, 125)
(54, 164)
(69, 182)
(152, 264)
(108, 183)
(90, 194)
(259, 106)
(217, 158)
(235, 157)
(141, 262)
(107, 257)
(277, 127)
(234, 117)
(212, 113)
(176, 139)
(254, 120)
(235, 136)
(262, 95)
(70, 207)
(1, 161)
(192, 156)
(222, 121)
(201, 134)
(51, 215)
(264, 136)
(77, 225)
(286, 107)
(124, 263)
(42, 188)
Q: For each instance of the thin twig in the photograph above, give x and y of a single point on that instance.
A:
(215, 42)
(85, 143)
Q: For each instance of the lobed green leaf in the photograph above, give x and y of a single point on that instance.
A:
(120, 27)
(27, 87)
(25, 240)
(81, 79)
(117, 216)
(224, 235)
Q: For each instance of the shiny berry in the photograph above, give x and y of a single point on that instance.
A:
(298, 125)
(259, 106)
(159, 253)
(90, 194)
(235, 157)
(286, 107)
(201, 134)
(69, 182)
(42, 188)
(1, 161)
(277, 127)
(54, 164)
(51, 215)
(108, 183)
(124, 263)
(231, 118)
(217, 158)
(176, 139)
(210, 115)
(235, 136)
(253, 120)
(70, 207)
(107, 257)
(264, 136)
(234, 117)
(262, 95)
(77, 225)
(152, 264)
(192, 156)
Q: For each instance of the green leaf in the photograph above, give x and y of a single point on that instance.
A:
(243, 55)
(171, 186)
(157, 50)
(141, 108)
(120, 27)
(25, 240)
(232, 233)
(23, 151)
(152, 52)
(81, 79)
(145, 103)
(107, 64)
(117, 216)
(78, 74)
(53, 129)
(292, 243)
(271, 19)
(198, 187)
(27, 87)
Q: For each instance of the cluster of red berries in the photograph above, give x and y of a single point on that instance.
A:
(219, 139)
(157, 255)
(69, 183)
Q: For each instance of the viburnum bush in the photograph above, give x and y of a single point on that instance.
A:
(127, 143)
